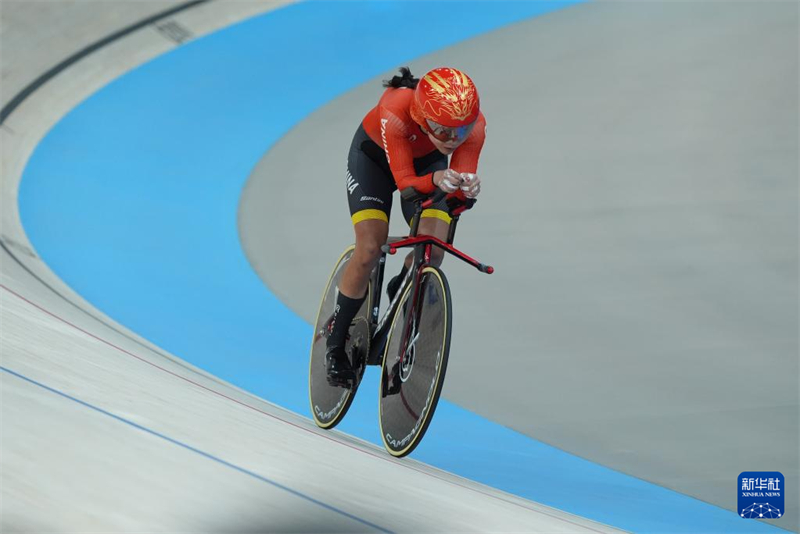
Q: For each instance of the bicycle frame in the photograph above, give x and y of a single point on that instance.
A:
(423, 246)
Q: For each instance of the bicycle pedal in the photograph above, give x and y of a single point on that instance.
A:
(393, 386)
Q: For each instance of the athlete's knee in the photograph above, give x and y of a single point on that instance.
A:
(371, 234)
(368, 249)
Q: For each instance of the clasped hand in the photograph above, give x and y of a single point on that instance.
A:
(451, 181)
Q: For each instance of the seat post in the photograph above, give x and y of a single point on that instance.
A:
(415, 220)
(451, 234)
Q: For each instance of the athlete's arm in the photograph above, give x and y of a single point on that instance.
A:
(465, 159)
(394, 135)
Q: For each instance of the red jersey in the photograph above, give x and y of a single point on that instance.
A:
(389, 124)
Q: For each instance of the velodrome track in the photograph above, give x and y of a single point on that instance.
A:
(105, 431)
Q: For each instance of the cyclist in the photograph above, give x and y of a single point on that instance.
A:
(404, 141)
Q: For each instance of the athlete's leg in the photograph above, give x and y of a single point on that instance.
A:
(352, 289)
(369, 196)
(371, 234)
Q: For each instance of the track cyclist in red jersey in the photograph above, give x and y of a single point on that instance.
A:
(404, 141)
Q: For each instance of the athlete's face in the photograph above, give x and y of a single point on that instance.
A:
(447, 139)
(445, 147)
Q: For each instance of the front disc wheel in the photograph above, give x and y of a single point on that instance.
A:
(415, 362)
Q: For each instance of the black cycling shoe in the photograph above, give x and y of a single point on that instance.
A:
(394, 285)
(340, 372)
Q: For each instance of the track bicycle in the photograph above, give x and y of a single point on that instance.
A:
(410, 341)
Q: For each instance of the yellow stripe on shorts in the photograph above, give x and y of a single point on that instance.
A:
(365, 215)
(436, 214)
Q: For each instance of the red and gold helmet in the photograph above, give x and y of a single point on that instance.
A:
(446, 97)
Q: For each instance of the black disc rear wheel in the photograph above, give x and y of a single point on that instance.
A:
(329, 404)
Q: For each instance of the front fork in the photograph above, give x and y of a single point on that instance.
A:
(379, 329)
(410, 329)
(423, 247)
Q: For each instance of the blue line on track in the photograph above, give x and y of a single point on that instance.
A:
(198, 451)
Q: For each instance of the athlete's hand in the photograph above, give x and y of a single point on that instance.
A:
(470, 184)
(447, 180)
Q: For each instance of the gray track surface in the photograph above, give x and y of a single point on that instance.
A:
(56, 29)
(130, 438)
(206, 457)
(640, 204)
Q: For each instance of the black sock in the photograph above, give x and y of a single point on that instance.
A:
(346, 308)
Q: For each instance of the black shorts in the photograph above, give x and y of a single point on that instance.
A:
(370, 183)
